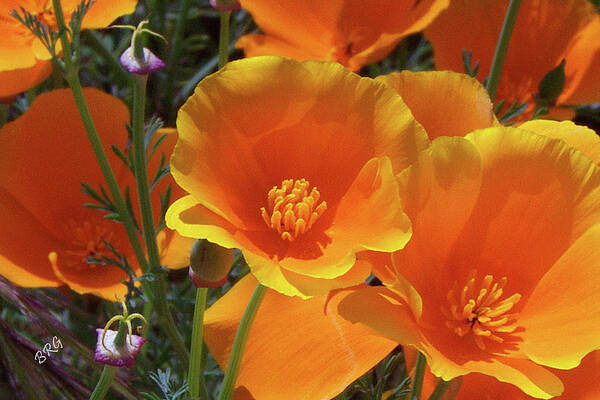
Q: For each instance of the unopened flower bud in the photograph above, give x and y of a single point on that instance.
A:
(209, 264)
(225, 5)
(141, 66)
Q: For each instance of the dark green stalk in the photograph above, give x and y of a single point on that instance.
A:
(502, 47)
(241, 336)
(195, 377)
(440, 389)
(176, 41)
(224, 38)
(417, 385)
(103, 385)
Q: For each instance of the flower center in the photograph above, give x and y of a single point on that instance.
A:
(88, 248)
(292, 209)
(478, 308)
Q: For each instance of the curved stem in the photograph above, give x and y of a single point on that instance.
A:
(106, 378)
(224, 38)
(502, 47)
(195, 375)
(237, 351)
(415, 392)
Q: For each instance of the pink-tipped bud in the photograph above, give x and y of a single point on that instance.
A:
(145, 66)
(209, 264)
(225, 5)
(107, 352)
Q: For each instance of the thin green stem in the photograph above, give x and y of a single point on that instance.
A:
(3, 114)
(237, 351)
(195, 377)
(106, 378)
(71, 74)
(417, 385)
(166, 321)
(502, 47)
(174, 55)
(440, 389)
(224, 39)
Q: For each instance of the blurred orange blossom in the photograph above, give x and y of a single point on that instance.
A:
(546, 32)
(293, 163)
(351, 32)
(47, 234)
(24, 61)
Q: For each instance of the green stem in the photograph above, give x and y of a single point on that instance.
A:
(106, 378)
(158, 295)
(237, 351)
(502, 47)
(224, 39)
(3, 114)
(440, 389)
(195, 376)
(166, 321)
(415, 392)
(71, 74)
(176, 41)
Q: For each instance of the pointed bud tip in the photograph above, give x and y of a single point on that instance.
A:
(149, 64)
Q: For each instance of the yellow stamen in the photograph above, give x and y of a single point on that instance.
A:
(477, 308)
(292, 209)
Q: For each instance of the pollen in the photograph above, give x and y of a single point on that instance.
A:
(292, 209)
(482, 309)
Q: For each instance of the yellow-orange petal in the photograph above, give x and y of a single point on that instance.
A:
(24, 246)
(444, 102)
(565, 304)
(353, 33)
(231, 151)
(384, 311)
(174, 249)
(577, 136)
(541, 37)
(103, 12)
(48, 139)
(102, 281)
(313, 353)
(16, 81)
(438, 192)
(582, 84)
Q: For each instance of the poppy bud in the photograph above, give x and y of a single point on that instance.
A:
(142, 66)
(209, 264)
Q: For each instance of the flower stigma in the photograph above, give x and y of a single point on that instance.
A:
(477, 308)
(293, 210)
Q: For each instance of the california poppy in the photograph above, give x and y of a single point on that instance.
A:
(24, 61)
(504, 222)
(545, 33)
(292, 163)
(351, 32)
(47, 234)
(581, 383)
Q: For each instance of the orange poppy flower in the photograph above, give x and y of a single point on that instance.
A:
(24, 61)
(545, 33)
(580, 383)
(47, 234)
(351, 32)
(292, 163)
(504, 222)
